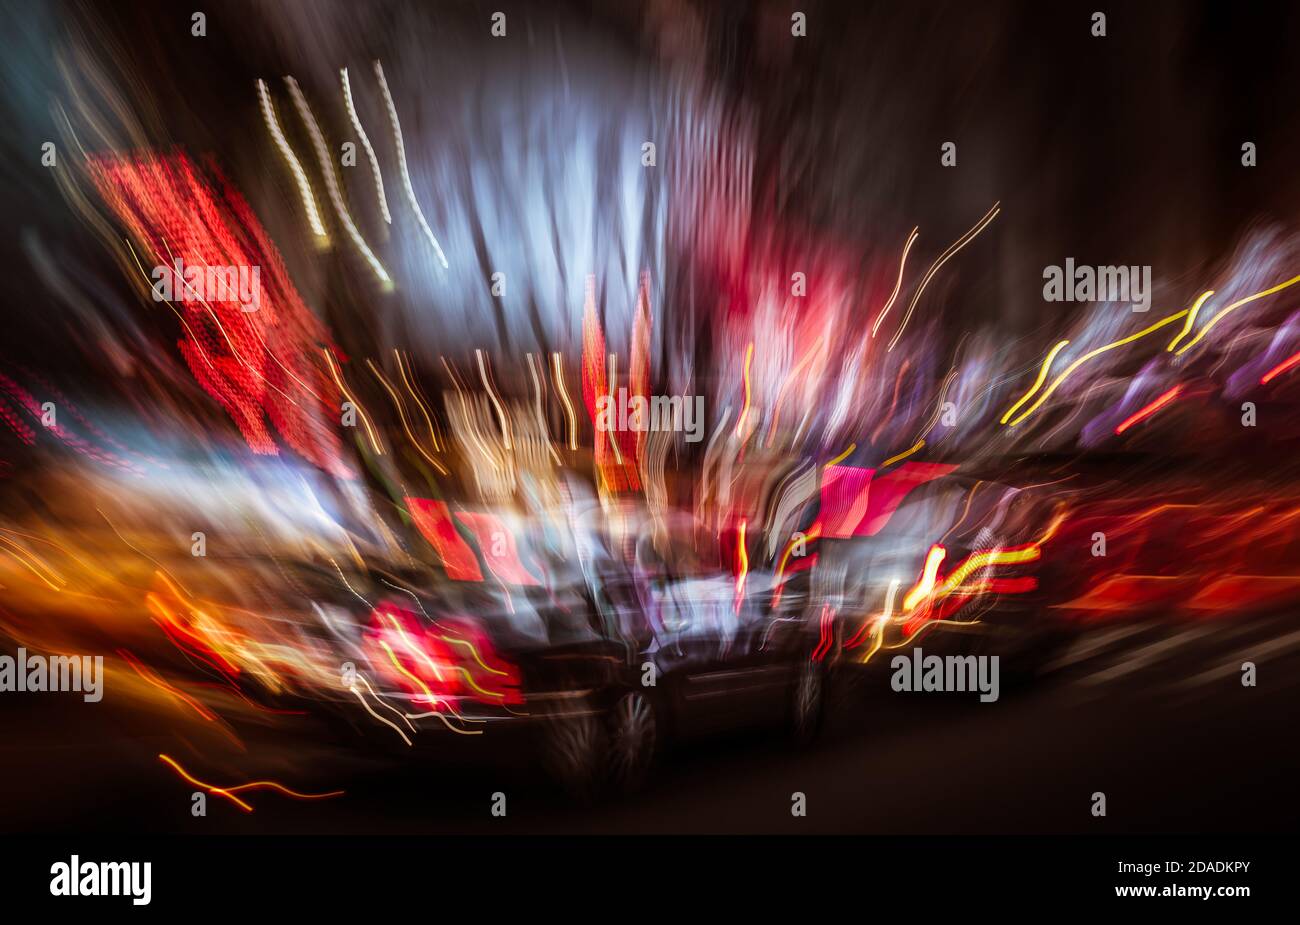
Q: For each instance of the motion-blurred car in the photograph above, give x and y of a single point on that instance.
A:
(606, 661)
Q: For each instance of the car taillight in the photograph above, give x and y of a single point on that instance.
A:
(438, 662)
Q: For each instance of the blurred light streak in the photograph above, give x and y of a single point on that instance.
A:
(938, 264)
(813, 533)
(22, 554)
(744, 408)
(1093, 353)
(326, 160)
(185, 775)
(1144, 413)
(790, 379)
(492, 394)
(419, 401)
(1289, 363)
(1042, 375)
(405, 672)
(435, 714)
(916, 447)
(923, 588)
(229, 792)
(542, 426)
(826, 629)
(361, 412)
(570, 416)
(1191, 319)
(299, 175)
(902, 264)
(879, 622)
(843, 456)
(1232, 307)
(742, 557)
(386, 722)
(383, 703)
(402, 168)
(153, 679)
(401, 413)
(365, 143)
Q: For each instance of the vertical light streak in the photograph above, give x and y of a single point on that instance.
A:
(299, 175)
(409, 382)
(611, 388)
(365, 143)
(401, 166)
(882, 621)
(541, 415)
(902, 264)
(744, 411)
(365, 419)
(558, 374)
(401, 413)
(742, 555)
(501, 411)
(331, 182)
(933, 559)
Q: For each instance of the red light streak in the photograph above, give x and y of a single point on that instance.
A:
(1280, 368)
(1144, 413)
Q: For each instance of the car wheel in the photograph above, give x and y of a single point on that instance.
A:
(572, 749)
(634, 732)
(808, 703)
